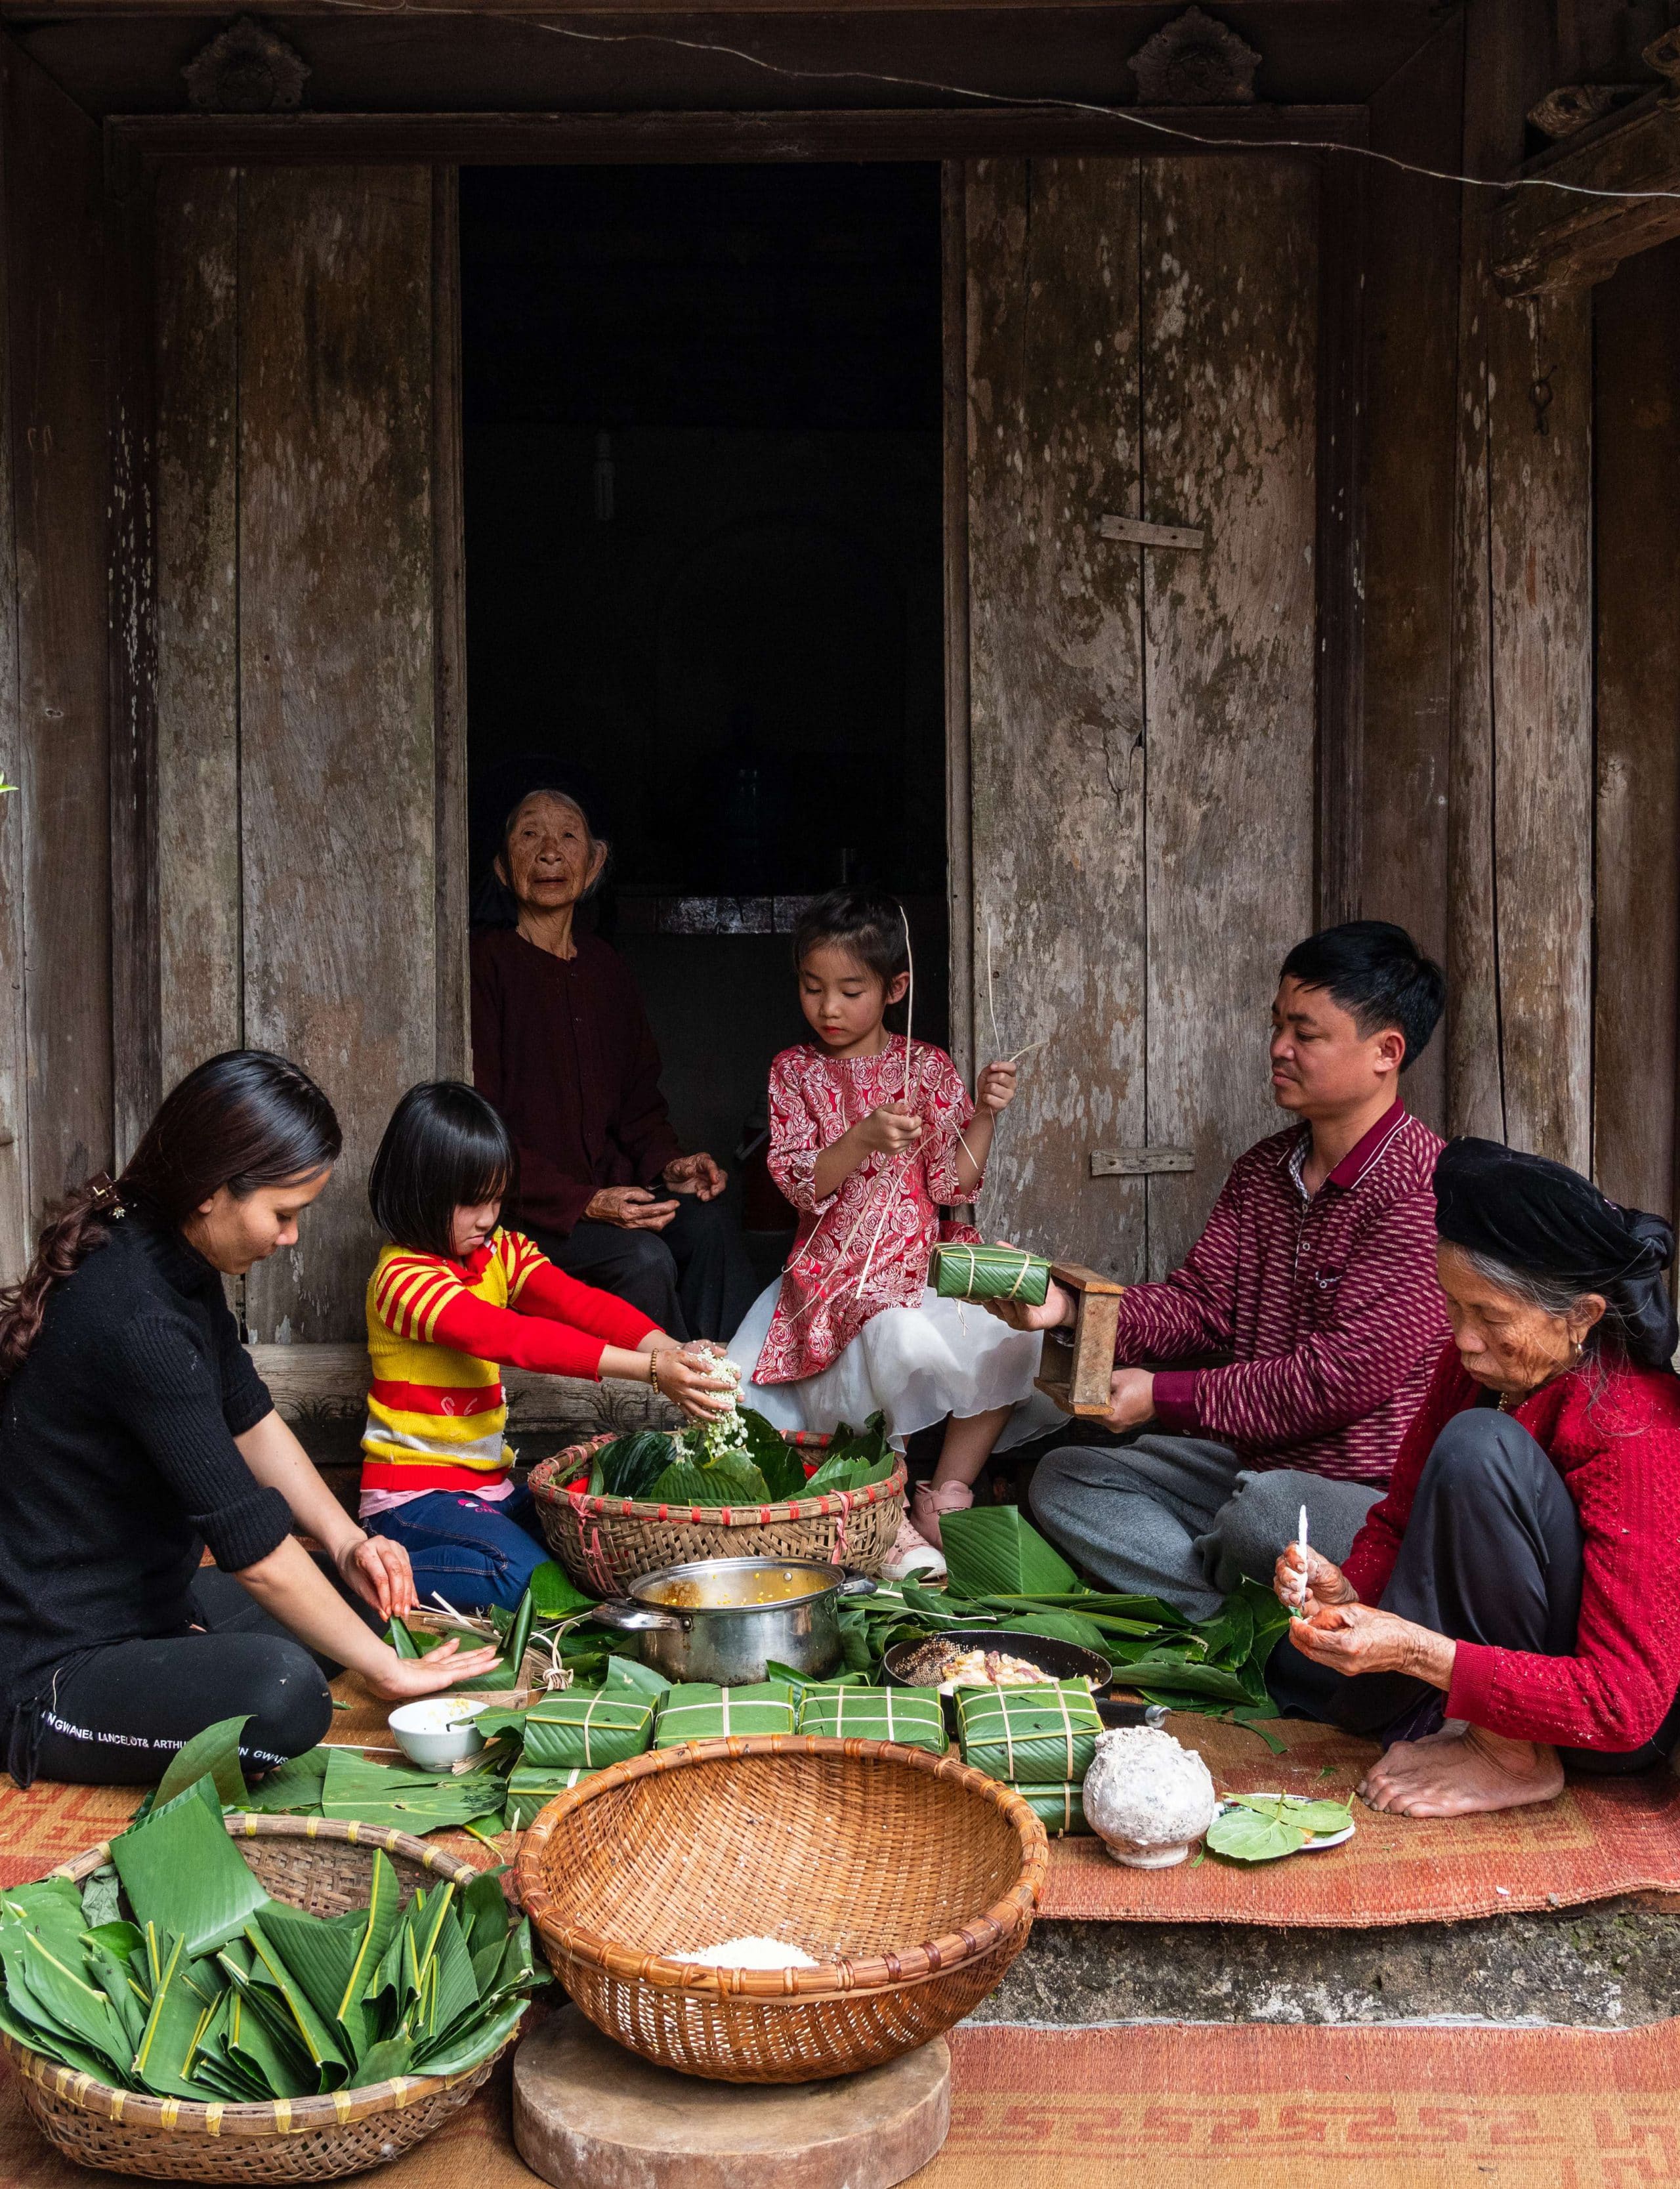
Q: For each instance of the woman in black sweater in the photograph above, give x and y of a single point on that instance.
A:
(134, 1431)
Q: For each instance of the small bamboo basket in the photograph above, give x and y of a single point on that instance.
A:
(911, 1880)
(605, 1543)
(325, 1868)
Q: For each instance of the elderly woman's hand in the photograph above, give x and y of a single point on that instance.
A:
(1350, 1638)
(1325, 1583)
(632, 1207)
(699, 1174)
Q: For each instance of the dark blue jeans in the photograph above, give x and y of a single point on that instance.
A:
(474, 1552)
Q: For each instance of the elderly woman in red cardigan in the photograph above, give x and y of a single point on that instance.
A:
(562, 1047)
(1513, 1602)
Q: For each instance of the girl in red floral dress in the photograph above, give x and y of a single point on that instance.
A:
(870, 1136)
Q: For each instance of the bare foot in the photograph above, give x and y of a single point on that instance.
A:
(1461, 1773)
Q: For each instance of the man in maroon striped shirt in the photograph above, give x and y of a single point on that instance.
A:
(1315, 1274)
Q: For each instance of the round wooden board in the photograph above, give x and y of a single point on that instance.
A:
(589, 2115)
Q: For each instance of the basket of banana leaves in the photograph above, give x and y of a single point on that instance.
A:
(620, 1507)
(255, 1998)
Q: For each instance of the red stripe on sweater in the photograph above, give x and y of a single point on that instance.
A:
(455, 1400)
(425, 1474)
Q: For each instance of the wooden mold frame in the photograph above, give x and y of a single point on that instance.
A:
(1079, 1369)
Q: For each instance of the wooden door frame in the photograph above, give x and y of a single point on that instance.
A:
(138, 145)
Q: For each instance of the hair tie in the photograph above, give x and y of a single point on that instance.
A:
(103, 1194)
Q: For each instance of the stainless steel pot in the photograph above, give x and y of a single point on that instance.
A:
(729, 1637)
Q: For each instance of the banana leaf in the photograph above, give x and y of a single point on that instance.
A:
(457, 1989)
(292, 1790)
(52, 1908)
(464, 2049)
(267, 2067)
(555, 1594)
(180, 2010)
(625, 1467)
(27, 2017)
(400, 1639)
(322, 1954)
(501, 1675)
(213, 1753)
(309, 2029)
(182, 1872)
(1058, 1626)
(519, 1635)
(837, 1474)
(402, 1800)
(391, 2057)
(993, 1550)
(1164, 1679)
(629, 1676)
(61, 1997)
(776, 1459)
(731, 1480)
(111, 1975)
(101, 1896)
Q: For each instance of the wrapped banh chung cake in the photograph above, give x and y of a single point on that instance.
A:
(1043, 1736)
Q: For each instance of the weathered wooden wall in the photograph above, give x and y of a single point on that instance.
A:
(1142, 738)
(1635, 438)
(1410, 330)
(1519, 1023)
(312, 854)
(55, 829)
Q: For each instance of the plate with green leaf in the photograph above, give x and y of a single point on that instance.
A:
(1265, 1827)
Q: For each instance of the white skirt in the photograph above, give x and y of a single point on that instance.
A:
(914, 1364)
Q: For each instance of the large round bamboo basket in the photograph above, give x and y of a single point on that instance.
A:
(910, 1878)
(311, 1863)
(605, 1543)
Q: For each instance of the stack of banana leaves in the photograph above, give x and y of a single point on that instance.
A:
(171, 1972)
(1003, 1574)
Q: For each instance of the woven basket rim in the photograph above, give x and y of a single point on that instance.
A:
(275, 2115)
(846, 1978)
(542, 1486)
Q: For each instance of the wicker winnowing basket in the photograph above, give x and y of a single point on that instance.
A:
(605, 1543)
(324, 1867)
(910, 1878)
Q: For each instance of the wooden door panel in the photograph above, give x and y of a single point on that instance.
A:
(311, 865)
(1056, 624)
(1142, 343)
(337, 765)
(1231, 335)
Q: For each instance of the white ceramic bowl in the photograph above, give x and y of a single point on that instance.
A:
(436, 1733)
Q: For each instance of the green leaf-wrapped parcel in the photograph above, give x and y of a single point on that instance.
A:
(581, 1729)
(960, 1271)
(1043, 1736)
(1059, 1808)
(914, 1716)
(702, 1712)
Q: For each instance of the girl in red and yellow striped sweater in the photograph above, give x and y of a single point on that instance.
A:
(453, 1300)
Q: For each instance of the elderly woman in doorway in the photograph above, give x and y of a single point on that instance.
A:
(561, 1046)
(1513, 1602)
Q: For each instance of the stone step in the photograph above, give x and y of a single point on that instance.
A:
(1610, 1964)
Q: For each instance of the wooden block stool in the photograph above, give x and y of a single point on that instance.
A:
(589, 2115)
(1077, 1371)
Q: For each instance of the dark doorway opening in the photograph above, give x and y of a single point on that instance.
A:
(705, 564)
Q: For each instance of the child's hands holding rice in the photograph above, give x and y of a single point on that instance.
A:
(690, 1377)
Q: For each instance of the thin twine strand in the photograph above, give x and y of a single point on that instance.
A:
(1060, 104)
